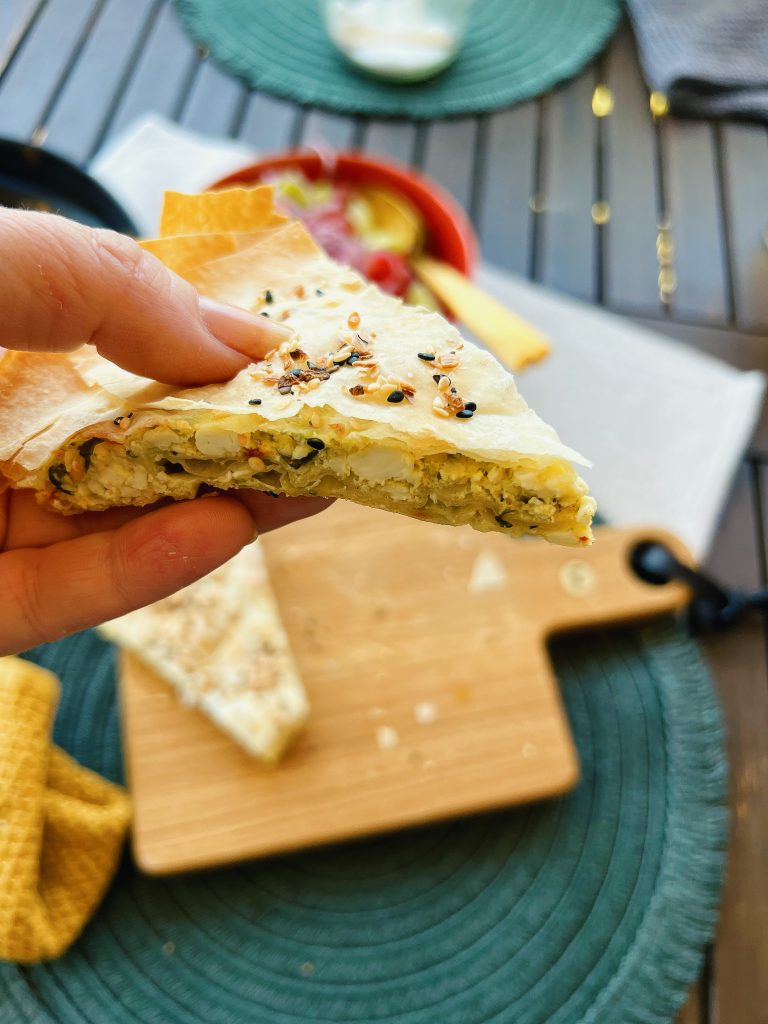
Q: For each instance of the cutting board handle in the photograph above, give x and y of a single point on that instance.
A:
(597, 586)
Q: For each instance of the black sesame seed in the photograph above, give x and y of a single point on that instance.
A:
(436, 377)
(426, 356)
(472, 406)
(395, 397)
(268, 296)
(319, 291)
(264, 313)
(254, 401)
(353, 359)
(285, 390)
(316, 443)
(503, 522)
(465, 414)
(297, 373)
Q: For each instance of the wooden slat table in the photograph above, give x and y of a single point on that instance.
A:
(73, 72)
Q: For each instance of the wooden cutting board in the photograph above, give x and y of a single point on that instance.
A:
(423, 650)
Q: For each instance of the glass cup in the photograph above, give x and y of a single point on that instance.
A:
(397, 40)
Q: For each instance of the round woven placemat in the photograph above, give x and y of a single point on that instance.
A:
(591, 908)
(514, 49)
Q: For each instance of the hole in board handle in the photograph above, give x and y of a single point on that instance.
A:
(653, 563)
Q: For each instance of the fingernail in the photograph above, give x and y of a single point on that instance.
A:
(251, 335)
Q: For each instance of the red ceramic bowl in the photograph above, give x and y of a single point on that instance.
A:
(449, 234)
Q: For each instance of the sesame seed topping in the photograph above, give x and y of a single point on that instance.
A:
(448, 362)
(342, 356)
(264, 313)
(319, 291)
(254, 401)
(316, 443)
(471, 406)
(268, 297)
(395, 396)
(464, 414)
(436, 377)
(426, 356)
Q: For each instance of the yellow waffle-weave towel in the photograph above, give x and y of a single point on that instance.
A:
(61, 825)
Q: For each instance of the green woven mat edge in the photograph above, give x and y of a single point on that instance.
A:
(659, 969)
(324, 96)
(666, 956)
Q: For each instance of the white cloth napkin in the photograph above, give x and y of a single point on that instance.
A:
(154, 155)
(664, 426)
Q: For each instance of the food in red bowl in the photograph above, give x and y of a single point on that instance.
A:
(345, 199)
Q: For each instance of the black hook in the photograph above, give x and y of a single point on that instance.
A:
(712, 606)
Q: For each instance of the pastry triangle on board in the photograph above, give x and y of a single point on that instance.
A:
(370, 400)
(221, 645)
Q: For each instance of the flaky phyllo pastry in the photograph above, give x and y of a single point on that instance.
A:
(221, 645)
(370, 400)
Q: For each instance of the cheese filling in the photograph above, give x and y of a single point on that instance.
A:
(158, 460)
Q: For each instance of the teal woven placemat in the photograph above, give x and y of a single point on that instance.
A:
(591, 909)
(515, 49)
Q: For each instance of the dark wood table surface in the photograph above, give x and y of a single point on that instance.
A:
(680, 245)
